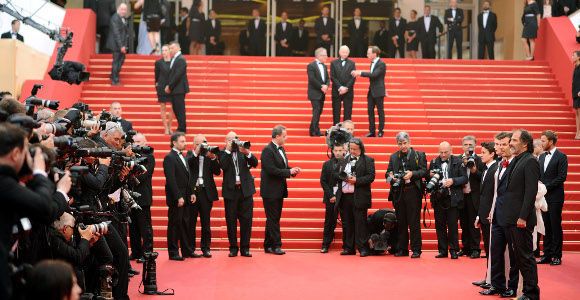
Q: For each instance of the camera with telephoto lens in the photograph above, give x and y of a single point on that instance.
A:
(108, 117)
(32, 101)
(470, 158)
(129, 198)
(396, 181)
(66, 144)
(435, 183)
(237, 144)
(205, 148)
(343, 175)
(101, 228)
(143, 150)
(337, 135)
(128, 137)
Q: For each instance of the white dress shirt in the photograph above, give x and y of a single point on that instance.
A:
(427, 22)
(281, 153)
(489, 164)
(324, 20)
(548, 158)
(485, 17)
(374, 63)
(357, 23)
(283, 26)
(213, 23)
(173, 59)
(256, 23)
(453, 12)
(321, 69)
(182, 158)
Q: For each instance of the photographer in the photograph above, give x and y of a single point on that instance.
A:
(203, 167)
(330, 187)
(405, 173)
(447, 175)
(382, 225)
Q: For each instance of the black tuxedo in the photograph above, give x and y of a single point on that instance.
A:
(470, 236)
(178, 184)
(315, 95)
(126, 125)
(486, 192)
(238, 197)
(8, 35)
(179, 86)
(558, 7)
(141, 230)
(216, 32)
(273, 189)
(182, 36)
(354, 207)
(381, 40)
(486, 36)
(300, 42)
(358, 38)
(399, 32)
(118, 38)
(340, 76)
(376, 94)
(428, 39)
(257, 38)
(454, 31)
(321, 29)
(283, 35)
(553, 178)
(329, 183)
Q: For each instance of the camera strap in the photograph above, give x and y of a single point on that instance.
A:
(426, 212)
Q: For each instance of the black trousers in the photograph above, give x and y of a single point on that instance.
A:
(239, 209)
(485, 231)
(177, 224)
(178, 105)
(184, 43)
(202, 208)
(428, 48)
(354, 224)
(120, 261)
(165, 35)
(273, 208)
(400, 49)
(554, 235)
(337, 106)
(317, 106)
(455, 35)
(103, 31)
(329, 224)
(499, 242)
(484, 46)
(118, 60)
(522, 241)
(408, 211)
(470, 235)
(141, 231)
(377, 102)
(446, 228)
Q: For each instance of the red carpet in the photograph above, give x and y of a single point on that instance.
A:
(309, 275)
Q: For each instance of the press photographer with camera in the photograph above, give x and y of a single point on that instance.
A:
(447, 175)
(382, 225)
(238, 191)
(330, 187)
(405, 173)
(203, 166)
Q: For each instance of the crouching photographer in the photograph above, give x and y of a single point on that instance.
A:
(382, 226)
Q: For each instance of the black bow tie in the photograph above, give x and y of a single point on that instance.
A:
(485, 168)
(548, 153)
(280, 148)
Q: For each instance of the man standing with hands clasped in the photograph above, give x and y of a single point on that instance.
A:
(342, 85)
(376, 93)
(177, 86)
(318, 81)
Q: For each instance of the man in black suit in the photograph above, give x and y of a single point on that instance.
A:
(273, 187)
(203, 167)
(447, 199)
(397, 28)
(427, 26)
(563, 7)
(355, 175)
(330, 186)
(358, 30)
(381, 38)
(376, 93)
(407, 198)
(116, 110)
(104, 9)
(213, 32)
(342, 85)
(13, 33)
(318, 81)
(453, 20)
(283, 36)
(300, 40)
(553, 173)
(256, 34)
(179, 197)
(325, 31)
(238, 191)
(487, 24)
(489, 159)
(182, 35)
(178, 85)
(118, 41)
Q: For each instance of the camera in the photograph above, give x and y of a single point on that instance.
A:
(129, 198)
(32, 101)
(26, 122)
(470, 158)
(128, 137)
(396, 181)
(205, 148)
(108, 117)
(143, 150)
(337, 135)
(435, 182)
(237, 144)
(344, 175)
(57, 129)
(101, 228)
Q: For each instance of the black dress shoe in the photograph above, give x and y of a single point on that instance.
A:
(177, 258)
(441, 255)
(347, 252)
(206, 254)
(454, 255)
(370, 134)
(479, 283)
(491, 291)
(509, 293)
(556, 261)
(544, 260)
(486, 286)
(324, 250)
(380, 134)
(268, 250)
(402, 253)
(364, 253)
(461, 253)
(475, 254)
(233, 253)
(193, 255)
(278, 251)
(245, 253)
(416, 254)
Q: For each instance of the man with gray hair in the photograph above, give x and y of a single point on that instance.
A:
(407, 167)
(342, 85)
(318, 81)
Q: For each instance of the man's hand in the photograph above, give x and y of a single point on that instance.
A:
(325, 37)
(123, 50)
(212, 40)
(324, 88)
(197, 149)
(244, 151)
(332, 200)
(193, 199)
(448, 182)
(521, 223)
(94, 239)
(95, 129)
(566, 9)
(124, 172)
(48, 142)
(342, 90)
(476, 223)
(355, 73)
(295, 171)
(65, 183)
(408, 175)
(38, 162)
(167, 90)
(211, 155)
(180, 202)
(105, 161)
(396, 41)
(351, 179)
(86, 233)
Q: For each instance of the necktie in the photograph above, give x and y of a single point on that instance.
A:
(505, 164)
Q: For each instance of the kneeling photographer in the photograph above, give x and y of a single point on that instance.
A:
(382, 226)
(447, 175)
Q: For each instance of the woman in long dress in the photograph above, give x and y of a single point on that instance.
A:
(152, 16)
(161, 77)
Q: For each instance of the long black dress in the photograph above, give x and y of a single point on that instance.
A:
(530, 21)
(161, 80)
(196, 25)
(412, 30)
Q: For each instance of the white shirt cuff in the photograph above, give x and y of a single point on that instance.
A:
(249, 155)
(39, 172)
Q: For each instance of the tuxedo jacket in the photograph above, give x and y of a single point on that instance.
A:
(340, 75)
(321, 29)
(399, 31)
(521, 190)
(359, 35)
(210, 31)
(431, 35)
(229, 178)
(475, 181)
(145, 187)
(118, 34)
(283, 34)
(211, 167)
(381, 39)
(458, 173)
(300, 43)
(377, 79)
(315, 80)
(178, 83)
(257, 36)
(274, 173)
(554, 176)
(178, 182)
(486, 192)
(8, 35)
(455, 24)
(487, 34)
(365, 175)
(327, 179)
(416, 162)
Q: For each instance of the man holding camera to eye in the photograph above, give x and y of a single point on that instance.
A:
(405, 173)
(238, 191)
(330, 187)
(446, 178)
(203, 166)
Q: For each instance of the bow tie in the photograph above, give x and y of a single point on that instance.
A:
(320, 63)
(548, 153)
(505, 163)
(280, 148)
(485, 168)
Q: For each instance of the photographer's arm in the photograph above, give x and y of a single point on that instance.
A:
(72, 255)
(150, 169)
(252, 161)
(214, 166)
(97, 181)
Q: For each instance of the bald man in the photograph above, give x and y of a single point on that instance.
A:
(116, 110)
(342, 85)
(238, 190)
(447, 198)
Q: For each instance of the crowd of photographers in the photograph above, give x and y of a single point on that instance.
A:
(71, 180)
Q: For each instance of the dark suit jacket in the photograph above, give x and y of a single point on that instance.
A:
(257, 37)
(178, 183)
(210, 31)
(365, 175)
(320, 29)
(161, 76)
(487, 34)
(300, 43)
(522, 187)
(145, 187)
(475, 181)
(377, 79)
(315, 81)
(397, 31)
(486, 192)
(126, 125)
(381, 40)
(274, 173)
(431, 35)
(327, 179)
(229, 177)
(340, 76)
(281, 35)
(558, 7)
(359, 35)
(104, 10)
(118, 34)
(455, 24)
(8, 35)
(416, 162)
(211, 168)
(456, 172)
(554, 176)
(178, 83)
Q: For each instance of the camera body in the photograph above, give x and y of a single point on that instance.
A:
(237, 144)
(337, 135)
(435, 183)
(343, 175)
(205, 148)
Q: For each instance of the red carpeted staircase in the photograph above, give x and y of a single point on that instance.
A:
(432, 100)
